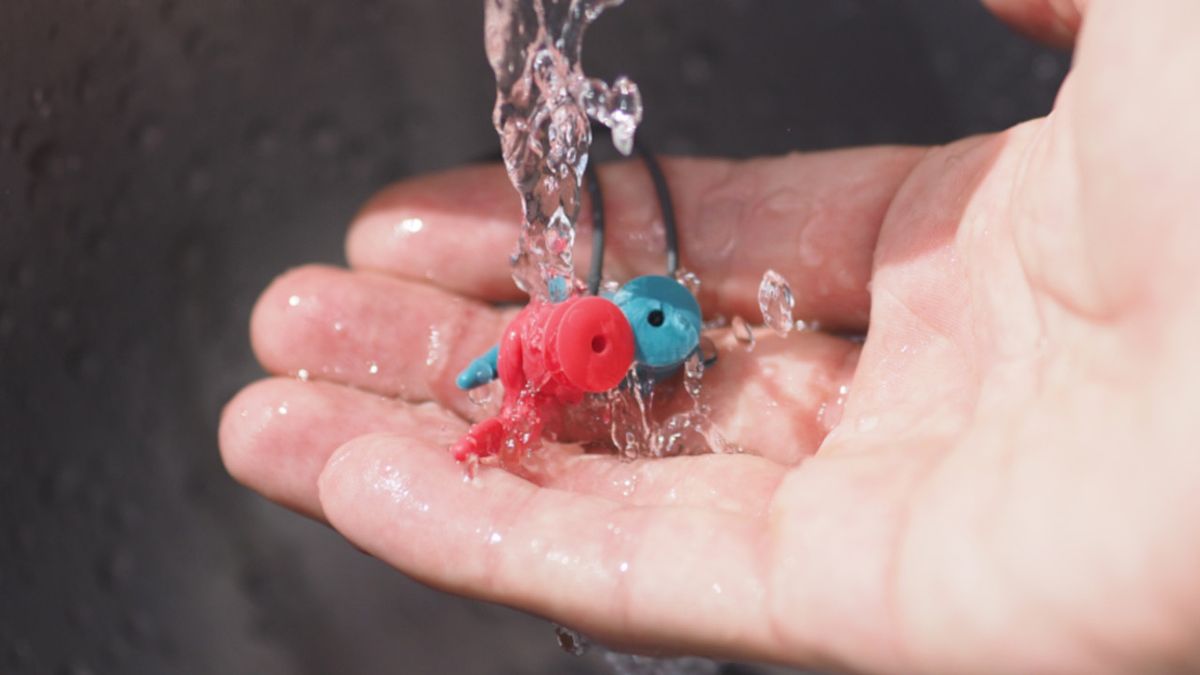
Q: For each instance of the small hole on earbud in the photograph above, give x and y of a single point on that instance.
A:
(599, 344)
(656, 318)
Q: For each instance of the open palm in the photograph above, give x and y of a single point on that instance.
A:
(1003, 476)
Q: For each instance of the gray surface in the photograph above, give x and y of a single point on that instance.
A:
(161, 160)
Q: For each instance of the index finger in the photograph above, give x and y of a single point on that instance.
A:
(814, 218)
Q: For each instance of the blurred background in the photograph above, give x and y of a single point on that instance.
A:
(162, 160)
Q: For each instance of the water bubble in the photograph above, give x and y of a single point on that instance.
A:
(777, 303)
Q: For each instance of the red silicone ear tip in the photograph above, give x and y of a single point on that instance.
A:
(595, 344)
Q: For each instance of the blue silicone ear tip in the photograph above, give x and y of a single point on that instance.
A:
(665, 318)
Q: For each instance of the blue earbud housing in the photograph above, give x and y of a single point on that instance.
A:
(666, 322)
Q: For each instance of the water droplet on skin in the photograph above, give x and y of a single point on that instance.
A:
(372, 368)
(495, 538)
(302, 375)
(776, 302)
(435, 350)
(408, 227)
(294, 301)
(829, 415)
(628, 485)
(282, 409)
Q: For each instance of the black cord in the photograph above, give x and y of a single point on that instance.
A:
(665, 205)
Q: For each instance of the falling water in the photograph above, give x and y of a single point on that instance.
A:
(543, 104)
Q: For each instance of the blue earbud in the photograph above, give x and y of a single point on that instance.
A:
(666, 322)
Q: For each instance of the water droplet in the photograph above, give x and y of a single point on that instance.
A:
(435, 350)
(689, 280)
(777, 303)
(372, 368)
(294, 301)
(407, 227)
(570, 641)
(694, 374)
(302, 375)
(283, 408)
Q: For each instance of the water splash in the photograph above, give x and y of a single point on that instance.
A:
(543, 104)
(636, 431)
(777, 303)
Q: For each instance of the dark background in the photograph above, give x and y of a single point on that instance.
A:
(162, 160)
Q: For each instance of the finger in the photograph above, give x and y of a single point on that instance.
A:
(685, 578)
(813, 218)
(277, 434)
(385, 335)
(1056, 22)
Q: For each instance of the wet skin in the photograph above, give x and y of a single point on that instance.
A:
(1010, 484)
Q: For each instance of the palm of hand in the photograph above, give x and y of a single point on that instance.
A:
(1008, 445)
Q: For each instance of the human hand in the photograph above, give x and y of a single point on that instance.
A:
(1012, 483)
